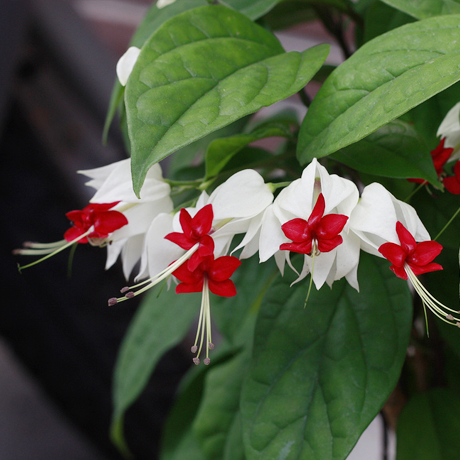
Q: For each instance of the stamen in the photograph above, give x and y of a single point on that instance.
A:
(206, 361)
(112, 301)
(196, 361)
(314, 249)
(211, 346)
(437, 308)
(151, 282)
(194, 349)
(60, 248)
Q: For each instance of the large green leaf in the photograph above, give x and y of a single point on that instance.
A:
(421, 9)
(428, 427)
(218, 416)
(319, 375)
(394, 150)
(381, 81)
(200, 71)
(159, 324)
(252, 279)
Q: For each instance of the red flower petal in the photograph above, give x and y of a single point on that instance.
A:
(181, 240)
(393, 253)
(108, 221)
(223, 268)
(317, 212)
(440, 155)
(185, 288)
(73, 233)
(425, 269)
(330, 226)
(202, 222)
(224, 288)
(399, 272)
(186, 224)
(301, 248)
(407, 241)
(452, 185)
(297, 230)
(185, 275)
(330, 244)
(99, 207)
(425, 252)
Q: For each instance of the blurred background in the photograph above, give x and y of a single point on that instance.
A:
(58, 337)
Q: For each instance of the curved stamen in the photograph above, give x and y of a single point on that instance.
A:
(438, 308)
(149, 283)
(61, 248)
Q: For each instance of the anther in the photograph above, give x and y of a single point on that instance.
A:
(129, 295)
(126, 288)
(211, 346)
(449, 317)
(112, 301)
(196, 361)
(457, 324)
(194, 349)
(206, 361)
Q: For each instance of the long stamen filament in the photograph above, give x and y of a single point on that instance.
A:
(54, 244)
(313, 251)
(155, 279)
(61, 248)
(429, 301)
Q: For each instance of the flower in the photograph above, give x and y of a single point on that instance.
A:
(452, 183)
(311, 212)
(126, 63)
(319, 234)
(374, 219)
(115, 217)
(210, 275)
(94, 221)
(410, 255)
(234, 207)
(391, 229)
(450, 130)
(440, 155)
(113, 183)
(163, 3)
(92, 224)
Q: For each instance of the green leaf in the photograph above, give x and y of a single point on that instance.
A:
(428, 427)
(159, 324)
(219, 410)
(153, 19)
(200, 71)
(382, 80)
(253, 9)
(394, 150)
(252, 279)
(381, 18)
(320, 374)
(422, 9)
(178, 440)
(220, 151)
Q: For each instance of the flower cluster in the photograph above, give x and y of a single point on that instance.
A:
(320, 216)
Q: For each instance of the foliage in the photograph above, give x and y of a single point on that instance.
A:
(296, 379)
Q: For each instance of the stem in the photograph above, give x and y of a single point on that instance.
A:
(411, 194)
(448, 223)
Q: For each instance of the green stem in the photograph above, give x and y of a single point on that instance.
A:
(448, 223)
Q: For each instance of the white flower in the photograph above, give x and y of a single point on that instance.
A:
(375, 216)
(126, 63)
(450, 130)
(113, 183)
(163, 3)
(295, 206)
(237, 206)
